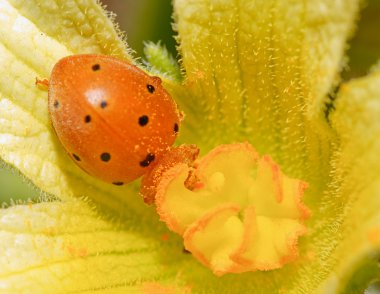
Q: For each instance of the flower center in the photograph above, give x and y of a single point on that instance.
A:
(236, 211)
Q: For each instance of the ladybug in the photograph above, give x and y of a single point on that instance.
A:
(113, 119)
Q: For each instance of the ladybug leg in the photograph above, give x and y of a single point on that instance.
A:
(42, 84)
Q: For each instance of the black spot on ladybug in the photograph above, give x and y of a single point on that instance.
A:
(96, 67)
(150, 88)
(176, 128)
(56, 104)
(105, 156)
(143, 120)
(87, 119)
(103, 104)
(76, 157)
(118, 183)
(148, 160)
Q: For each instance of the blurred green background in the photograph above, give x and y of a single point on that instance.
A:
(150, 20)
(144, 20)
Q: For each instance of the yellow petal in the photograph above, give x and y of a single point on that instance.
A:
(356, 120)
(66, 247)
(260, 71)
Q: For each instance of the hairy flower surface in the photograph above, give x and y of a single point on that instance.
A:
(252, 71)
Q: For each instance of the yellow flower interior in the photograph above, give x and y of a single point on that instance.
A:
(238, 213)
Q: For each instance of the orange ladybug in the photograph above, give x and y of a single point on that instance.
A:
(114, 120)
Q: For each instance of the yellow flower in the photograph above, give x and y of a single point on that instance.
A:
(256, 71)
